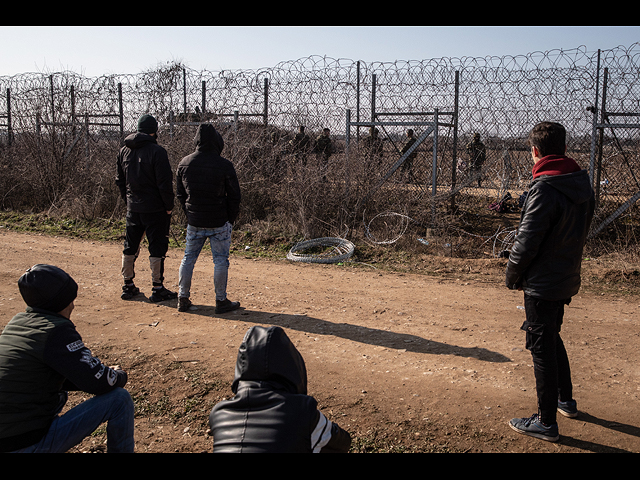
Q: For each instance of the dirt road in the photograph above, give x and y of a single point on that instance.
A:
(411, 362)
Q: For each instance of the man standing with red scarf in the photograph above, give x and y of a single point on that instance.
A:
(545, 263)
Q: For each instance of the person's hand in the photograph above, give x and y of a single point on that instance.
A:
(115, 367)
(168, 212)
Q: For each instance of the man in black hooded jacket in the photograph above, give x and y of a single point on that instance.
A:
(271, 411)
(208, 190)
(145, 181)
(545, 263)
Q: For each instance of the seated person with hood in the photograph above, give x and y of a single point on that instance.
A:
(271, 411)
(42, 356)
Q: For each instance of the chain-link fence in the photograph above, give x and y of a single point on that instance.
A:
(60, 133)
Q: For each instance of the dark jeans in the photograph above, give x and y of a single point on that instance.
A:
(550, 360)
(155, 225)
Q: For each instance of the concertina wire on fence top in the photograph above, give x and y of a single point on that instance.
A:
(500, 98)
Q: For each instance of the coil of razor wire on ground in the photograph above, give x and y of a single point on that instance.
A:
(505, 242)
(404, 226)
(341, 251)
(502, 239)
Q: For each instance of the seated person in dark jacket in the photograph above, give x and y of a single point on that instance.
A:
(545, 263)
(271, 411)
(42, 356)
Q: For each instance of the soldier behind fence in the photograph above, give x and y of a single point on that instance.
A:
(372, 146)
(324, 145)
(477, 156)
(300, 145)
(324, 149)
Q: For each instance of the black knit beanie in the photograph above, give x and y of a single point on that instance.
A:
(47, 287)
(147, 124)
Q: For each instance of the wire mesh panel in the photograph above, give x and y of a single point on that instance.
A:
(317, 192)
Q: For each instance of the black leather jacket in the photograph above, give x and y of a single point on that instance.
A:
(546, 258)
(271, 411)
(206, 183)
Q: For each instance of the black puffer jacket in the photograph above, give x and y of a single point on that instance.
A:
(546, 258)
(271, 411)
(41, 357)
(206, 183)
(144, 175)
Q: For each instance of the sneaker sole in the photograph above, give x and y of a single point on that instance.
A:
(156, 300)
(129, 296)
(541, 436)
(227, 310)
(185, 308)
(568, 414)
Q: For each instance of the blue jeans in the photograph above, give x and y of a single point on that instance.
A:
(116, 408)
(220, 241)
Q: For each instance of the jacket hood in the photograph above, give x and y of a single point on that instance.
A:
(554, 165)
(207, 138)
(576, 185)
(267, 355)
(138, 140)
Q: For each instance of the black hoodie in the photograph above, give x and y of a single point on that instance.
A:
(144, 175)
(206, 183)
(271, 411)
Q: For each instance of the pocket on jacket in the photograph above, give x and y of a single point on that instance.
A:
(534, 336)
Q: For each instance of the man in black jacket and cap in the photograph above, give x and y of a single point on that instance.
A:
(208, 190)
(145, 181)
(545, 263)
(42, 357)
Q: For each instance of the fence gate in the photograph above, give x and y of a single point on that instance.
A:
(432, 128)
(615, 180)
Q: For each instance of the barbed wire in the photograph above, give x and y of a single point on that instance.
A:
(500, 98)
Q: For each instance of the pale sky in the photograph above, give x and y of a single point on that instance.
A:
(102, 50)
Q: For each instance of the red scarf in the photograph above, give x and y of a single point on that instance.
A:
(555, 165)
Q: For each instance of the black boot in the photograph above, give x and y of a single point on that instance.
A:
(160, 294)
(226, 305)
(183, 304)
(129, 291)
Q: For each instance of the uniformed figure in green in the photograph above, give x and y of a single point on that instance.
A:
(324, 148)
(301, 145)
(477, 156)
(373, 146)
(324, 145)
